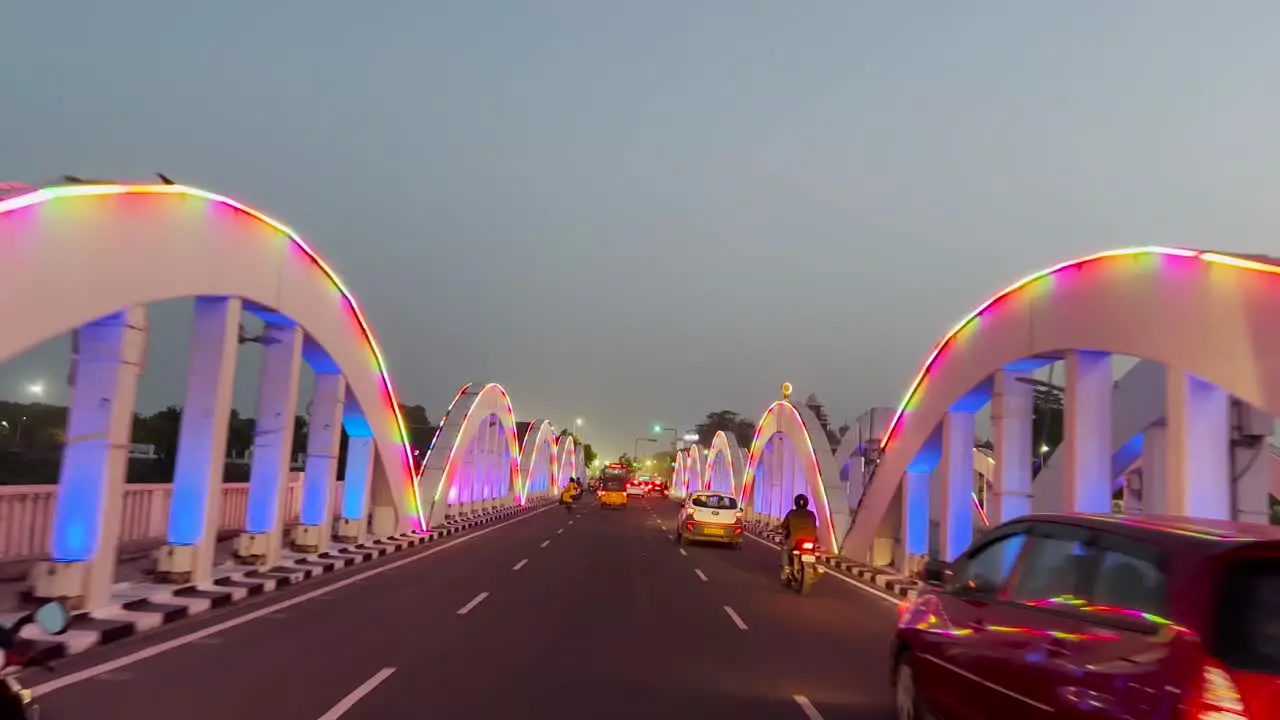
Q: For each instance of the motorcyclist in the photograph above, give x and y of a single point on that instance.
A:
(570, 492)
(799, 524)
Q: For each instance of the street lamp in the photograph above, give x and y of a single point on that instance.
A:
(36, 389)
(635, 456)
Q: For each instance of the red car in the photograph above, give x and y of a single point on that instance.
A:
(1097, 616)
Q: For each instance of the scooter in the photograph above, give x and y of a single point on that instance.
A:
(18, 653)
(804, 569)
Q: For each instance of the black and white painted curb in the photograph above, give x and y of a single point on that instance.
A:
(880, 578)
(168, 604)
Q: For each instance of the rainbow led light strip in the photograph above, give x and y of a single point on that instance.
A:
(947, 340)
(558, 461)
(757, 449)
(49, 194)
(509, 427)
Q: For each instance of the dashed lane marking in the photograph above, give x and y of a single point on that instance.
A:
(347, 702)
(734, 617)
(545, 543)
(700, 574)
(810, 711)
(520, 564)
(474, 602)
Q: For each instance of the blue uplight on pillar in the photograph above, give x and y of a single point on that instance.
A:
(355, 480)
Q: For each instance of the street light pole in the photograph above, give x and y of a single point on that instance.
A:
(636, 455)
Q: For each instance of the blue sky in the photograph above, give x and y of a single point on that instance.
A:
(705, 198)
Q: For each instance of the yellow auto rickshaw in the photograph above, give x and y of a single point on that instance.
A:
(613, 492)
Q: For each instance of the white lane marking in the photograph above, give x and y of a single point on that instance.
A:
(734, 616)
(177, 642)
(520, 564)
(700, 574)
(664, 527)
(345, 704)
(682, 552)
(560, 531)
(570, 522)
(545, 543)
(865, 588)
(810, 711)
(474, 602)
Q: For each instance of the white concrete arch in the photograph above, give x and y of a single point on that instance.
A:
(537, 459)
(725, 464)
(694, 465)
(1206, 316)
(474, 462)
(566, 461)
(70, 255)
(800, 460)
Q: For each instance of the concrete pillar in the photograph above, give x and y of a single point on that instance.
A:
(353, 523)
(1086, 446)
(324, 436)
(1198, 447)
(915, 519)
(955, 470)
(1011, 408)
(263, 539)
(1132, 493)
(86, 519)
(1155, 480)
(1252, 466)
(196, 507)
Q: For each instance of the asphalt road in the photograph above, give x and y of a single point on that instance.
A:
(595, 615)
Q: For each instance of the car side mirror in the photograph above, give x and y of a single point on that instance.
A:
(936, 572)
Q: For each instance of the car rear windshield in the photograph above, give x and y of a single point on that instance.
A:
(715, 502)
(1248, 637)
(613, 484)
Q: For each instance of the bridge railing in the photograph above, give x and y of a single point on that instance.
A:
(26, 513)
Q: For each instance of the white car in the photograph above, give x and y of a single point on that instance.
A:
(635, 489)
(710, 516)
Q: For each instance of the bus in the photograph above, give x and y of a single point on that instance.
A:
(613, 484)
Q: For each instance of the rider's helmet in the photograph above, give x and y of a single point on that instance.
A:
(802, 501)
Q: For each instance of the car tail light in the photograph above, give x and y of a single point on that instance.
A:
(737, 531)
(1214, 696)
(688, 526)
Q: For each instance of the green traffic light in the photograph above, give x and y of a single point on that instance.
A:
(657, 428)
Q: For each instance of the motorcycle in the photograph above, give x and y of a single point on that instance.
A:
(18, 653)
(804, 569)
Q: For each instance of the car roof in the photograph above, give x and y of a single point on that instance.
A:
(705, 493)
(1162, 528)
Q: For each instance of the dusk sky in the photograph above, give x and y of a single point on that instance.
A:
(639, 212)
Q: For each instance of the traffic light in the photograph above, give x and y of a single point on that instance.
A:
(657, 429)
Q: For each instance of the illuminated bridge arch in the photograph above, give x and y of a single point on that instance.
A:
(566, 461)
(1205, 314)
(537, 459)
(789, 455)
(76, 255)
(680, 475)
(695, 464)
(474, 461)
(726, 462)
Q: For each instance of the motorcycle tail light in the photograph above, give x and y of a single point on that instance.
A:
(806, 545)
